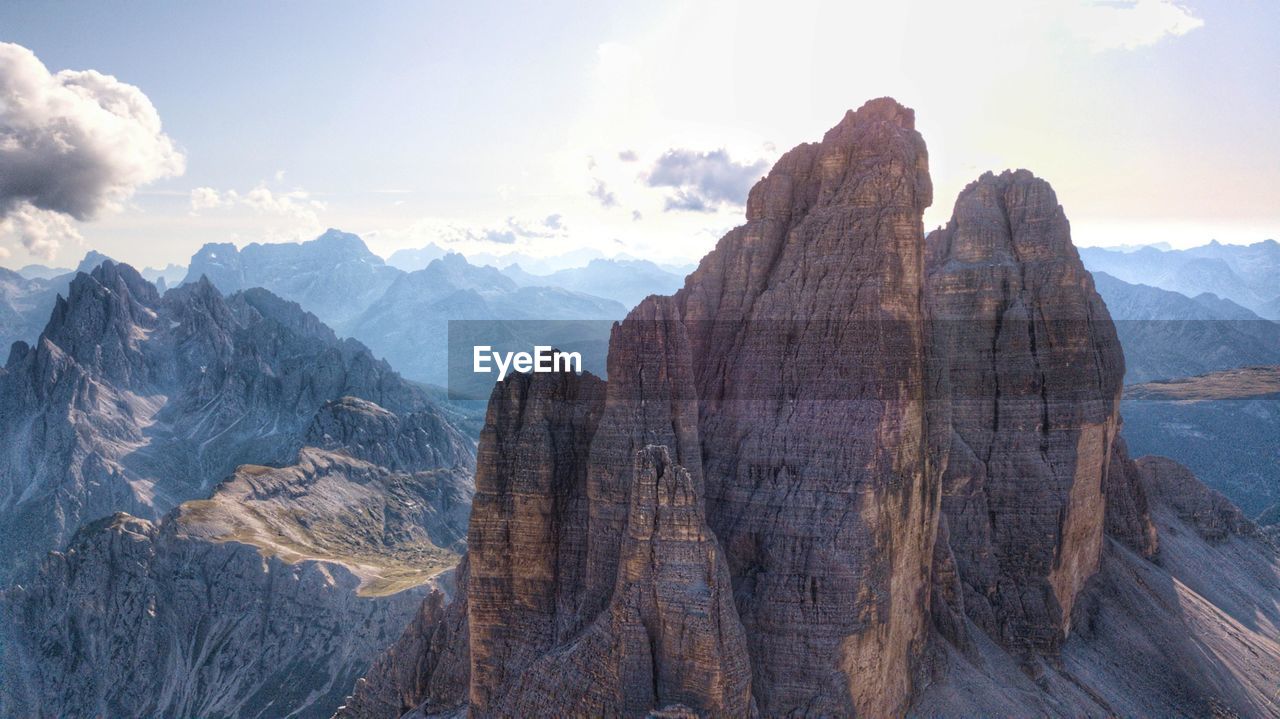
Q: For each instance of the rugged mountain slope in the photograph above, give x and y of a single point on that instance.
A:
(1190, 633)
(27, 297)
(756, 471)
(626, 281)
(911, 484)
(1167, 335)
(132, 402)
(1222, 425)
(264, 600)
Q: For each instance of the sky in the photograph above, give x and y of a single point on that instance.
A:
(146, 129)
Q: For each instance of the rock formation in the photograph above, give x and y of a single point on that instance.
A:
(754, 446)
(1035, 373)
(910, 485)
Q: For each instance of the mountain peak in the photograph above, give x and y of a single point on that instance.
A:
(91, 260)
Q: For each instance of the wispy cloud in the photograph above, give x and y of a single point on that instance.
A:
(1129, 24)
(600, 191)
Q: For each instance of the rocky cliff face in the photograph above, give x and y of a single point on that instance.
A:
(1035, 372)
(691, 545)
(266, 599)
(132, 402)
(910, 484)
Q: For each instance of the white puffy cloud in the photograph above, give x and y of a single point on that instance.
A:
(72, 143)
(41, 232)
(205, 198)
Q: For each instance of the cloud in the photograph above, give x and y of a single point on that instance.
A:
(72, 143)
(510, 231)
(703, 181)
(280, 215)
(1129, 24)
(501, 237)
(628, 156)
(686, 201)
(205, 198)
(41, 232)
(294, 204)
(601, 192)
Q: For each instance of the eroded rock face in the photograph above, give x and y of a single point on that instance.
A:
(134, 619)
(868, 456)
(746, 523)
(806, 331)
(1035, 375)
(266, 599)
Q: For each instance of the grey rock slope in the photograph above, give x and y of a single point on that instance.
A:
(1191, 632)
(1166, 334)
(265, 600)
(132, 402)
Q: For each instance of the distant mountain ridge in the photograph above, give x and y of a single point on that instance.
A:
(335, 275)
(1166, 334)
(401, 316)
(626, 281)
(1245, 274)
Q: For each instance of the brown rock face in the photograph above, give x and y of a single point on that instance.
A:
(743, 521)
(1035, 375)
(807, 338)
(807, 462)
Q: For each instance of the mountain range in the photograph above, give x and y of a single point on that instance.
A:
(1168, 335)
(244, 508)
(843, 468)
(402, 316)
(1245, 274)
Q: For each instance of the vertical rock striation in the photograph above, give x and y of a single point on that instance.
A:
(815, 458)
(806, 329)
(743, 520)
(1035, 372)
